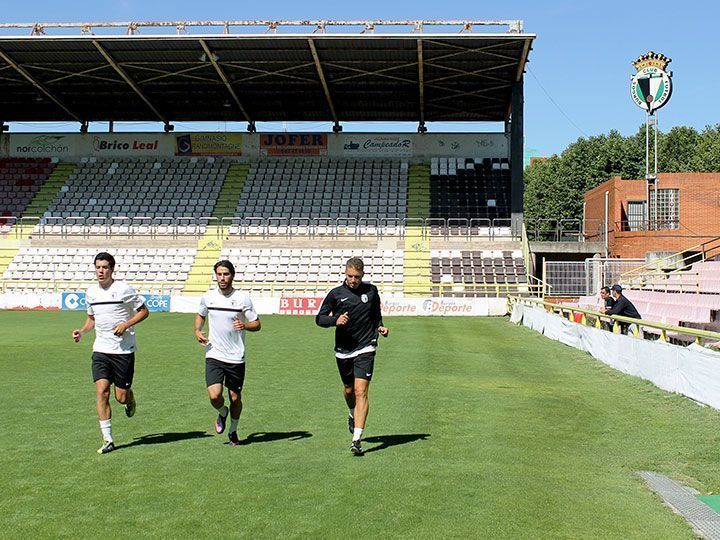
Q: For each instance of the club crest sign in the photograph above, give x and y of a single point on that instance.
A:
(651, 86)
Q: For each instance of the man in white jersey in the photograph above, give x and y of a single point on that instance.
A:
(113, 309)
(231, 313)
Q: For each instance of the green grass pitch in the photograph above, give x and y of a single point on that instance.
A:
(477, 429)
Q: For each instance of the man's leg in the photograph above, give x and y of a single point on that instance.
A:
(125, 396)
(362, 405)
(215, 393)
(235, 411)
(345, 368)
(102, 404)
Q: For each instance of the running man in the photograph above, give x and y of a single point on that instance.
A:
(113, 310)
(231, 313)
(353, 309)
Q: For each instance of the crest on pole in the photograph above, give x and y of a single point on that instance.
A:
(651, 86)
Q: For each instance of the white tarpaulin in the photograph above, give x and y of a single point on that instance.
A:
(692, 371)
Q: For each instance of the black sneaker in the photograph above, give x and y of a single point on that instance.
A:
(351, 424)
(356, 449)
(234, 441)
(220, 422)
(130, 409)
(106, 448)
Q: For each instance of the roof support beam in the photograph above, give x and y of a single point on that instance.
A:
(38, 85)
(213, 60)
(120, 71)
(421, 81)
(319, 68)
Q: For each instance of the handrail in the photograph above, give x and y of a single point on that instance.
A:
(616, 319)
(707, 249)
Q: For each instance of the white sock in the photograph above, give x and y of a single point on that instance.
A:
(106, 428)
(351, 413)
(233, 424)
(222, 411)
(357, 434)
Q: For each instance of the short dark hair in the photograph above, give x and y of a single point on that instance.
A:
(605, 289)
(105, 256)
(617, 288)
(356, 263)
(225, 264)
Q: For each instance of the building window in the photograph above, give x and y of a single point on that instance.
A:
(668, 208)
(636, 215)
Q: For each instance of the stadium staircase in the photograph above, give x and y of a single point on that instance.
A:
(210, 245)
(10, 243)
(231, 189)
(416, 271)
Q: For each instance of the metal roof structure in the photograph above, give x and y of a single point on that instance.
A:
(307, 74)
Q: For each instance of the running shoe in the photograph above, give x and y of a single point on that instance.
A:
(356, 449)
(351, 424)
(130, 409)
(106, 448)
(220, 422)
(234, 441)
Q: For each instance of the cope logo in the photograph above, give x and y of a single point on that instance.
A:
(72, 301)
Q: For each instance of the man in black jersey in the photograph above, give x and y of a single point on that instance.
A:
(353, 309)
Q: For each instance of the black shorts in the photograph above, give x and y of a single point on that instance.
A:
(360, 366)
(231, 375)
(119, 369)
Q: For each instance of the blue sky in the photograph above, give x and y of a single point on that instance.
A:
(578, 78)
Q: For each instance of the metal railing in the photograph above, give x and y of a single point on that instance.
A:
(565, 230)
(667, 268)
(63, 285)
(588, 317)
(265, 227)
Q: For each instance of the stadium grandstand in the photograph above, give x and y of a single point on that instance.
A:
(435, 215)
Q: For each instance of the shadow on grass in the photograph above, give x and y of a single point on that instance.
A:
(275, 436)
(162, 438)
(386, 441)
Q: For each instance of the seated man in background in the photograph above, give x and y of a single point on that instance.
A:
(622, 307)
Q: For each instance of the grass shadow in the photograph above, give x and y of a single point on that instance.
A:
(275, 436)
(162, 438)
(386, 441)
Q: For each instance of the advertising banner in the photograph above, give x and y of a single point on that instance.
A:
(130, 144)
(444, 307)
(209, 144)
(293, 144)
(156, 302)
(299, 306)
(42, 145)
(378, 145)
(75, 301)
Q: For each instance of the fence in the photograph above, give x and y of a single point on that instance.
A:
(582, 278)
(289, 226)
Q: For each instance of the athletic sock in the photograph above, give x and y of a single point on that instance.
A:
(222, 411)
(106, 429)
(357, 434)
(233, 424)
(351, 413)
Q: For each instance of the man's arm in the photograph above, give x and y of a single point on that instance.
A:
(199, 324)
(140, 315)
(377, 315)
(86, 327)
(325, 316)
(250, 326)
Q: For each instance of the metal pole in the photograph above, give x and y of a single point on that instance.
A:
(647, 169)
(655, 175)
(607, 220)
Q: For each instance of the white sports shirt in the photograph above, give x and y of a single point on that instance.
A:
(225, 343)
(110, 307)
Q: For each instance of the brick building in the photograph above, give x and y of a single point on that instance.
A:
(688, 213)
